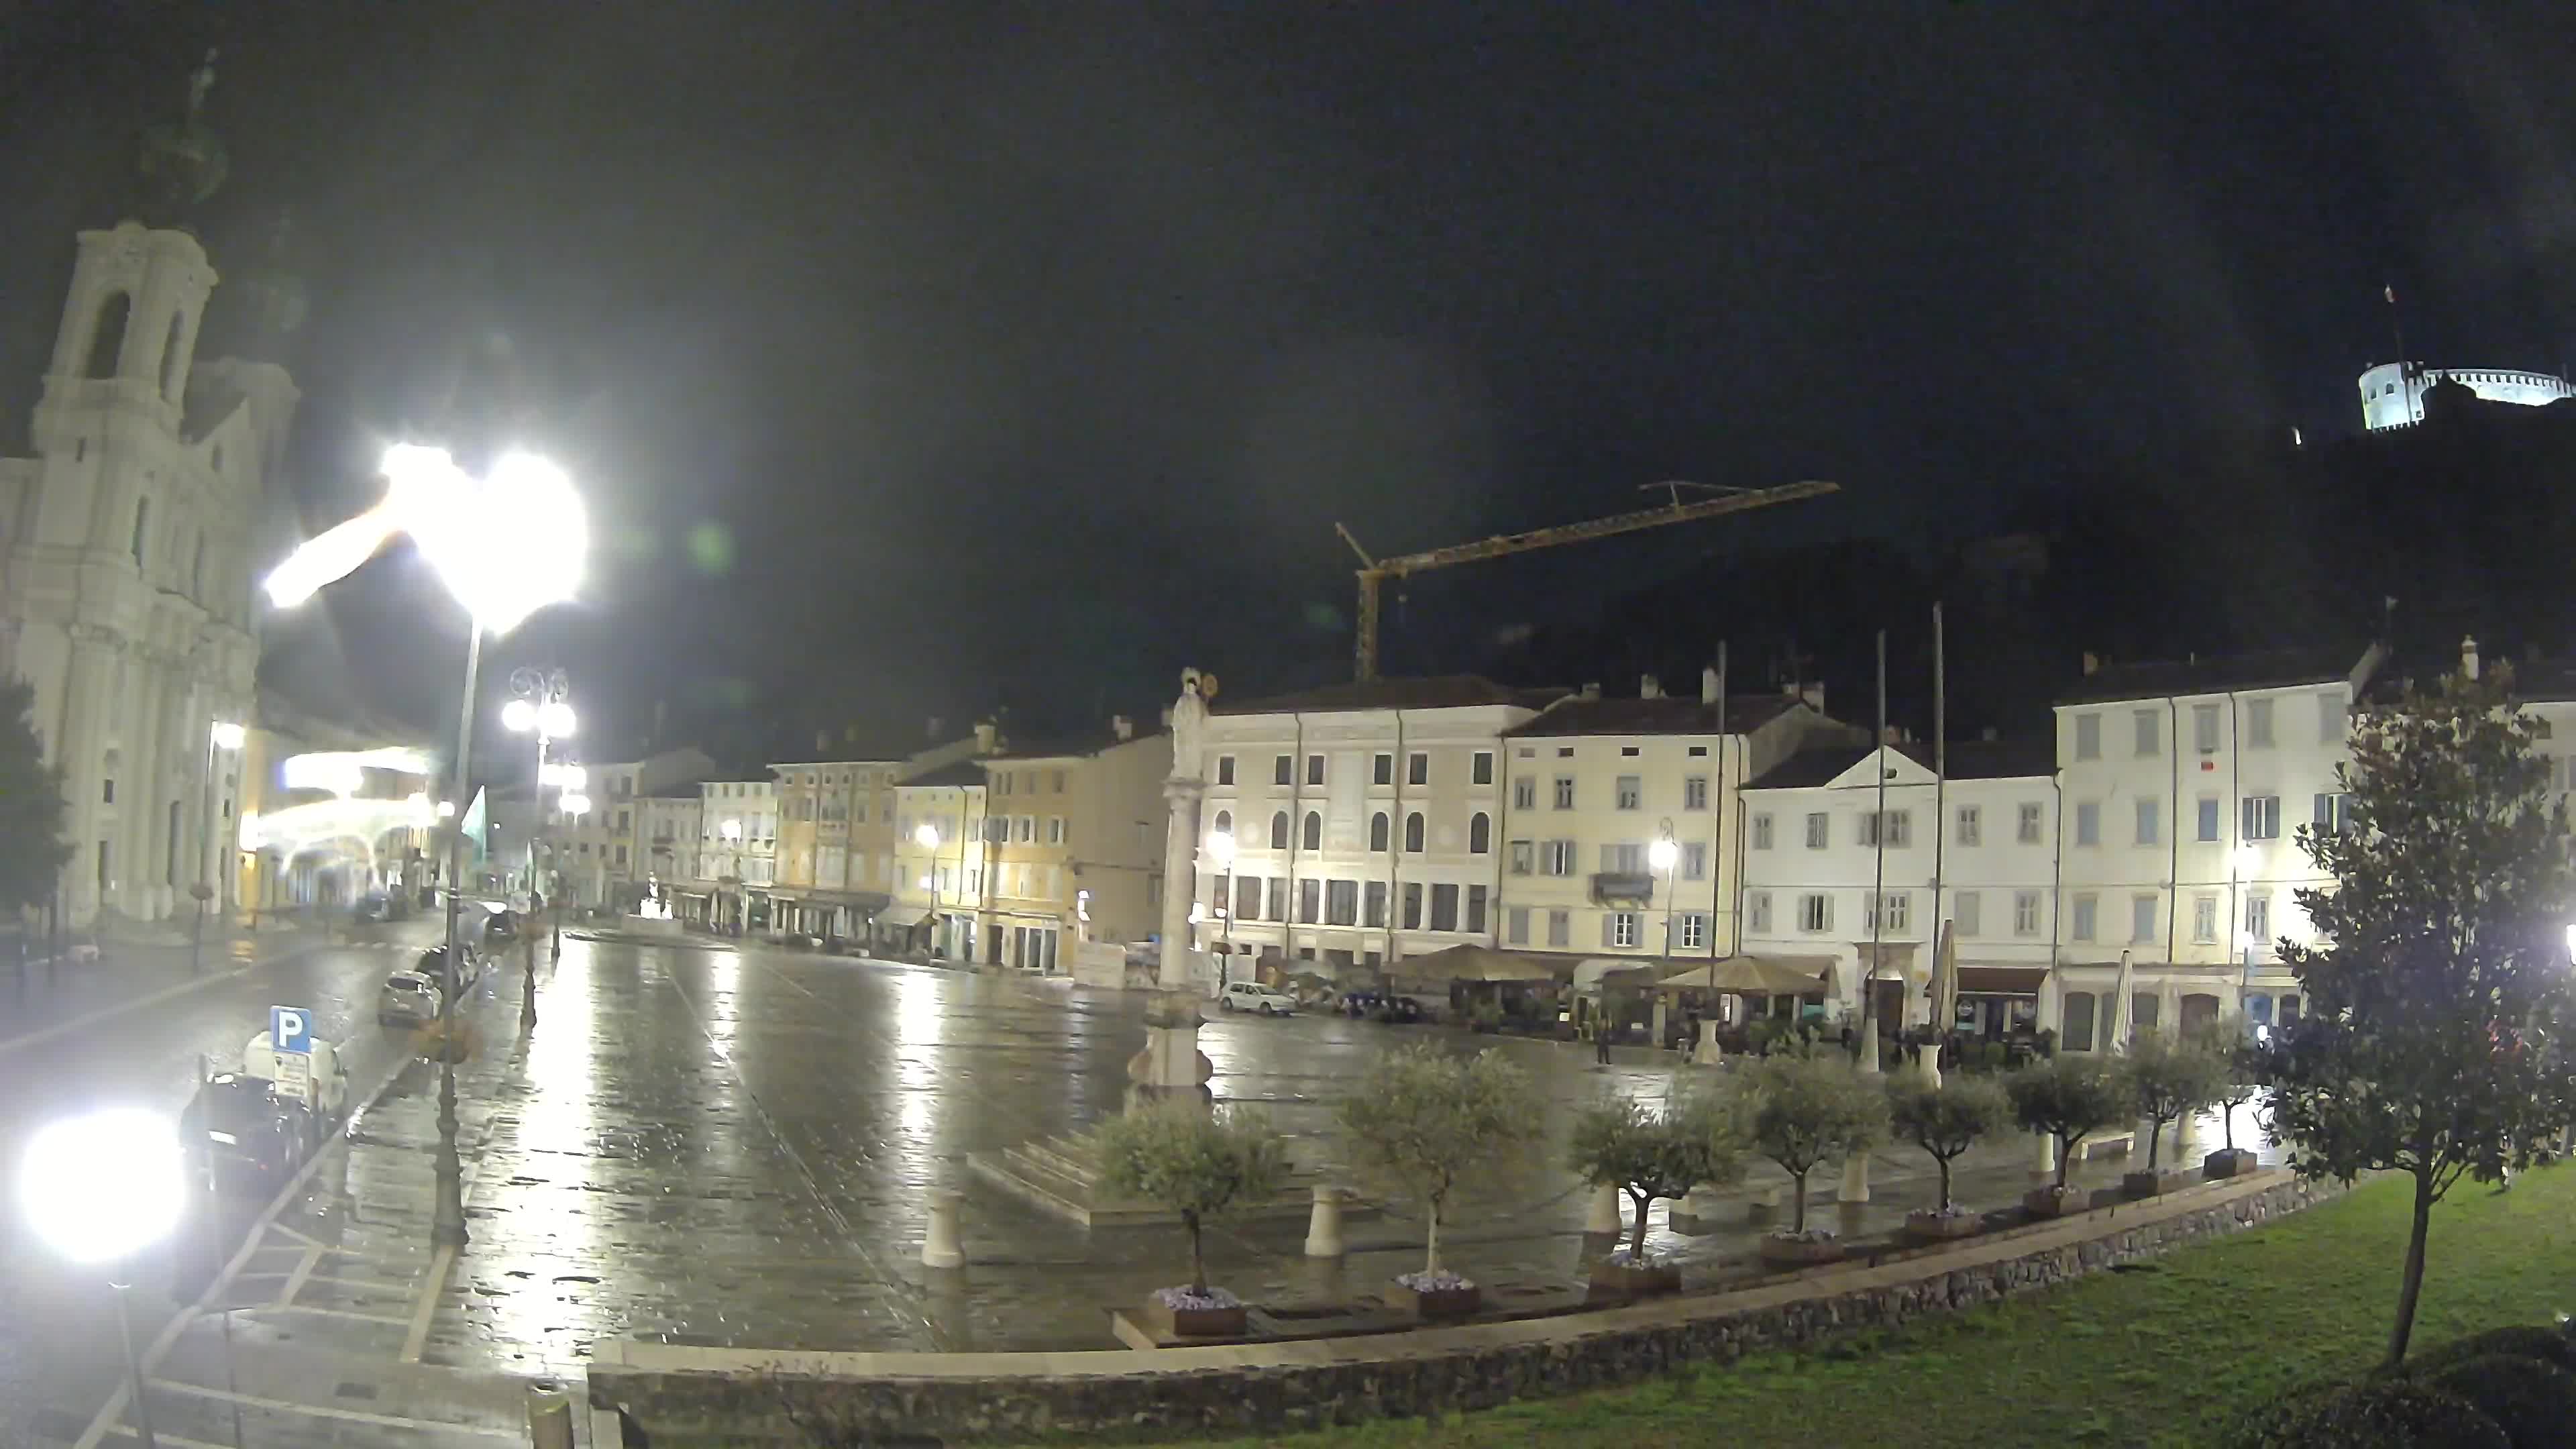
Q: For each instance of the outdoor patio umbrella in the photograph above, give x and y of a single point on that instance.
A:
(2119, 1038)
(1476, 963)
(1748, 976)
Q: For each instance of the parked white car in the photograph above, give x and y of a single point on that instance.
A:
(1253, 996)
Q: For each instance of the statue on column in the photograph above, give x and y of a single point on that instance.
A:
(1171, 1060)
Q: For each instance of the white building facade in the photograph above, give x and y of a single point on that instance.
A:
(1837, 875)
(2392, 394)
(737, 851)
(941, 825)
(1594, 783)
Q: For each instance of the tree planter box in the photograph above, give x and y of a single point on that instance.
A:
(2227, 1162)
(1622, 1280)
(2137, 1185)
(1929, 1227)
(1195, 1322)
(1800, 1252)
(2048, 1202)
(1440, 1303)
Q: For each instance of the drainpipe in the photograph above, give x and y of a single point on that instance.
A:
(1394, 846)
(1501, 834)
(1296, 837)
(2173, 837)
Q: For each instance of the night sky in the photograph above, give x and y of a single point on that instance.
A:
(931, 357)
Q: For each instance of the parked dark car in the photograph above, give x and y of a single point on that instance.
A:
(1381, 1006)
(252, 1140)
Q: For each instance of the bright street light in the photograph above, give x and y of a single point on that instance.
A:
(229, 736)
(926, 835)
(1220, 848)
(730, 830)
(1663, 853)
(555, 718)
(575, 803)
(99, 1189)
(518, 716)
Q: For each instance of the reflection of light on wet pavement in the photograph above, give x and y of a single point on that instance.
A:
(548, 1222)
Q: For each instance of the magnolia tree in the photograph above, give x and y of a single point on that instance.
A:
(1648, 1154)
(2170, 1078)
(2440, 979)
(1945, 1121)
(2069, 1099)
(1805, 1110)
(32, 848)
(2240, 1069)
(1426, 1121)
(1199, 1163)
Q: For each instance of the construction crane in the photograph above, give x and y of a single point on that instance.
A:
(1374, 572)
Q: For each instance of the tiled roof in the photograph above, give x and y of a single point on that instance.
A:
(2159, 679)
(1668, 715)
(1442, 691)
(1966, 760)
(956, 772)
(1069, 747)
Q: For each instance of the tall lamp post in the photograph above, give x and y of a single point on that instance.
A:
(926, 835)
(99, 1189)
(539, 705)
(229, 739)
(1663, 855)
(506, 545)
(1220, 848)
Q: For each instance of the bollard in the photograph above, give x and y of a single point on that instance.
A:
(1764, 1205)
(549, 1415)
(1601, 1216)
(1855, 1178)
(2046, 1165)
(1324, 1224)
(939, 1247)
(1710, 1052)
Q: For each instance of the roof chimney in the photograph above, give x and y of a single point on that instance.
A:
(1708, 685)
(1649, 687)
(1811, 695)
(2092, 663)
(1122, 727)
(1988, 734)
(2468, 656)
(985, 732)
(1894, 735)
(1592, 690)
(935, 723)
(822, 741)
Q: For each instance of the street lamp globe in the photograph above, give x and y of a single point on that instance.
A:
(229, 736)
(731, 830)
(926, 835)
(1220, 848)
(555, 718)
(101, 1187)
(1663, 853)
(575, 804)
(518, 716)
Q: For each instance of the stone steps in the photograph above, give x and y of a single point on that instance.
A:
(1060, 1175)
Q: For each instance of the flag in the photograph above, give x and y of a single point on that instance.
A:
(2390, 293)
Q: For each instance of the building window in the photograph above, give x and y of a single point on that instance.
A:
(1619, 929)
(2262, 817)
(1630, 793)
(1762, 831)
(1310, 901)
(2027, 830)
(1342, 903)
(1625, 858)
(1283, 770)
(1757, 912)
(1815, 912)
(1967, 910)
(2258, 724)
(2087, 907)
(1516, 926)
(1695, 860)
(1895, 912)
(2333, 813)
(1279, 830)
(1417, 770)
(1373, 904)
(1314, 769)
(2150, 823)
(1382, 769)
(1972, 827)
(142, 526)
(621, 856)
(1480, 833)
(1476, 898)
(1413, 905)
(1225, 769)
(2025, 913)
(1694, 930)
(1028, 830)
(1413, 833)
(1481, 772)
(2206, 826)
(1378, 831)
(1314, 834)
(1565, 792)
(1560, 928)
(1819, 829)
(1556, 857)
(2204, 728)
(2330, 718)
(2088, 822)
(1524, 856)
(1055, 830)
(1695, 792)
(2204, 919)
(2078, 1035)
(1525, 793)
(2088, 737)
(2149, 725)
(1444, 907)
(2258, 919)
(2142, 919)
(1225, 822)
(107, 791)
(1247, 898)
(106, 876)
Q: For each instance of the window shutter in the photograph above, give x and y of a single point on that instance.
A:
(1606, 938)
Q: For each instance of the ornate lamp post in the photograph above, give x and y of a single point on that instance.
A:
(100, 1189)
(540, 705)
(506, 546)
(1220, 849)
(227, 738)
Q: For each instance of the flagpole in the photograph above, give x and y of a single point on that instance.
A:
(1938, 982)
(1725, 739)
(1878, 890)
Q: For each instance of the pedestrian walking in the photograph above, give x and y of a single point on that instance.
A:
(1601, 1042)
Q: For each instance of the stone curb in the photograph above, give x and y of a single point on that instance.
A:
(682, 1394)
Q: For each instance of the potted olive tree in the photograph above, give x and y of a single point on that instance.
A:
(2241, 1069)
(1945, 1121)
(1803, 1110)
(1200, 1163)
(2067, 1098)
(1649, 1154)
(1424, 1122)
(2168, 1080)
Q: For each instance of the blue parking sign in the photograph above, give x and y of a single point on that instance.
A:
(290, 1029)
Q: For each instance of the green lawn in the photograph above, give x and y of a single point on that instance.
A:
(2155, 1355)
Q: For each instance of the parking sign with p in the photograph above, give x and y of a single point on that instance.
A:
(290, 1029)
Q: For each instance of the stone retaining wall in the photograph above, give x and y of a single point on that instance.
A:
(697, 1396)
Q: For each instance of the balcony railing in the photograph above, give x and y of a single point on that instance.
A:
(1623, 885)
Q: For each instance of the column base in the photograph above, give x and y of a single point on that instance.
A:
(1171, 1061)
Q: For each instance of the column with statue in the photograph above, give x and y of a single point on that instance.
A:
(1171, 1061)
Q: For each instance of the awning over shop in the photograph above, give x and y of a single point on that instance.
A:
(900, 917)
(1476, 963)
(1594, 972)
(1895, 958)
(1756, 976)
(2001, 980)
